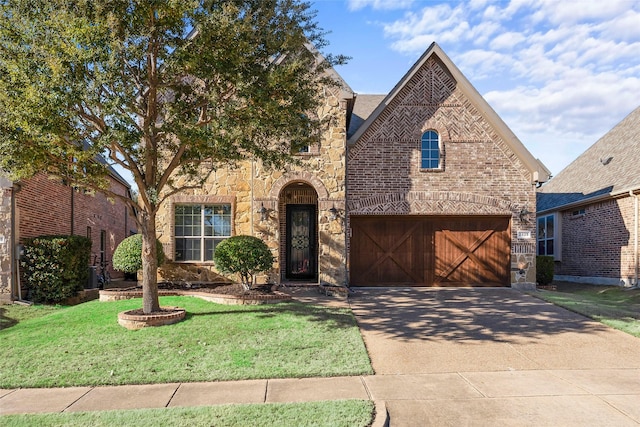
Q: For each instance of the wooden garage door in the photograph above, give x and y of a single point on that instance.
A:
(430, 251)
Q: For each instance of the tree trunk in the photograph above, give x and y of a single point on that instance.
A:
(150, 301)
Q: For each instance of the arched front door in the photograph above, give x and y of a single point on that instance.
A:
(299, 243)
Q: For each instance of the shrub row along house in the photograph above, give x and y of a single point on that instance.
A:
(44, 205)
(425, 186)
(588, 213)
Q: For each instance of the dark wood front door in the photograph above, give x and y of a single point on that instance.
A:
(430, 251)
(301, 242)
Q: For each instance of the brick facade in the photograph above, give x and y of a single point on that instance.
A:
(486, 171)
(46, 206)
(480, 174)
(598, 245)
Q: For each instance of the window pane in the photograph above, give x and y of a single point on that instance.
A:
(209, 247)
(430, 150)
(189, 230)
(541, 228)
(541, 248)
(187, 249)
(550, 247)
(550, 227)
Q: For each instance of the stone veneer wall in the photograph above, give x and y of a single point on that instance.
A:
(250, 185)
(5, 240)
(480, 174)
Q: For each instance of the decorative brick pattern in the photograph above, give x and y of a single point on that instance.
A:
(481, 174)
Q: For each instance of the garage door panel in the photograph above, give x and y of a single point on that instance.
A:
(430, 251)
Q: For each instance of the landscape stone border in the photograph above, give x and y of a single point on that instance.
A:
(117, 295)
(134, 320)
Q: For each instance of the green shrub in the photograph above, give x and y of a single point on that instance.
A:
(128, 255)
(245, 255)
(55, 267)
(544, 269)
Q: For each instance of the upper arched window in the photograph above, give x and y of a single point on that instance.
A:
(430, 150)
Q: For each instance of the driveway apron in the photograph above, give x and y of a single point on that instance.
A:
(494, 356)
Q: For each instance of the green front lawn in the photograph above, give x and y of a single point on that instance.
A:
(347, 413)
(84, 345)
(612, 305)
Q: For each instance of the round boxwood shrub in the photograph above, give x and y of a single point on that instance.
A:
(128, 255)
(245, 255)
(544, 269)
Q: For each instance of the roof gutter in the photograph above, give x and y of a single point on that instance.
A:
(590, 200)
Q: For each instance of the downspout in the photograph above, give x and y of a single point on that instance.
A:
(253, 173)
(12, 244)
(635, 238)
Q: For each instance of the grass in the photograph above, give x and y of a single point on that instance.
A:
(612, 305)
(15, 313)
(84, 345)
(347, 413)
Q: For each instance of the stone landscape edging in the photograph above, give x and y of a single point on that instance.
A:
(116, 295)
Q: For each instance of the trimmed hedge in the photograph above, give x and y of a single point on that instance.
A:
(544, 269)
(128, 255)
(245, 255)
(56, 267)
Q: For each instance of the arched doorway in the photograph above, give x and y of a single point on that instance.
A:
(298, 207)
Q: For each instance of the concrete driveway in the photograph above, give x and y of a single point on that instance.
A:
(488, 356)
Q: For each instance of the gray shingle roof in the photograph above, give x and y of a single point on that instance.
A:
(611, 166)
(362, 109)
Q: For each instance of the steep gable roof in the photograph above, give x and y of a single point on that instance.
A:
(606, 169)
(539, 173)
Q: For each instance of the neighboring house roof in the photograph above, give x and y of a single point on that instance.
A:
(362, 109)
(539, 173)
(607, 169)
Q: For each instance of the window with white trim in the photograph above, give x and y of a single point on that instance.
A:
(430, 150)
(548, 230)
(198, 229)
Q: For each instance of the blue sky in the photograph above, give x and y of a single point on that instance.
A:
(559, 73)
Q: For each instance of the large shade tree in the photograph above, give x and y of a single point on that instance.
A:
(168, 90)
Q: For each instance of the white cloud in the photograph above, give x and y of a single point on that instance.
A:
(506, 41)
(378, 4)
(567, 70)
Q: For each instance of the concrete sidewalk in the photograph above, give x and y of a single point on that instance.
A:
(474, 357)
(528, 398)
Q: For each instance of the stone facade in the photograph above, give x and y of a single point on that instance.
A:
(250, 187)
(379, 174)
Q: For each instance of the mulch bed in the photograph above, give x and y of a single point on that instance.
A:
(234, 289)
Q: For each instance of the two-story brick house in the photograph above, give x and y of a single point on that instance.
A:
(425, 186)
(44, 205)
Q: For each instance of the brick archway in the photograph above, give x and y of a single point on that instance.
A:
(299, 176)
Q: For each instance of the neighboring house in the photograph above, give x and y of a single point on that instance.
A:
(44, 205)
(588, 214)
(425, 186)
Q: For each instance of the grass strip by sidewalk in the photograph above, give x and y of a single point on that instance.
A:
(347, 413)
(612, 305)
(84, 345)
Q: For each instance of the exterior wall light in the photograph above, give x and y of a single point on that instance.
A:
(264, 212)
(333, 213)
(524, 214)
